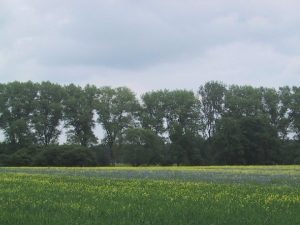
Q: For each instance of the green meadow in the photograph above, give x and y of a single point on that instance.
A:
(217, 195)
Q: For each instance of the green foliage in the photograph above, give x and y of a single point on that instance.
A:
(248, 140)
(290, 152)
(152, 114)
(79, 105)
(4, 159)
(24, 156)
(220, 124)
(48, 113)
(65, 155)
(276, 107)
(212, 105)
(117, 110)
(243, 101)
(142, 147)
(182, 111)
(295, 111)
(284, 120)
(16, 111)
(177, 114)
(186, 148)
(101, 153)
(228, 148)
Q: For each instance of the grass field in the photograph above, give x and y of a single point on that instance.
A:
(262, 195)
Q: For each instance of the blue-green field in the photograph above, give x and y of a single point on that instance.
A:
(236, 195)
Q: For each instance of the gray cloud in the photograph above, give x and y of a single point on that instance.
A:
(150, 44)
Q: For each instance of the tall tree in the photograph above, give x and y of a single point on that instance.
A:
(243, 101)
(182, 111)
(152, 114)
(173, 115)
(276, 107)
(162, 111)
(295, 111)
(246, 140)
(212, 100)
(16, 111)
(2, 105)
(227, 143)
(270, 101)
(284, 123)
(117, 110)
(79, 114)
(260, 141)
(48, 113)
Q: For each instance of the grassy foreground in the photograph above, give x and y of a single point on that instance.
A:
(136, 196)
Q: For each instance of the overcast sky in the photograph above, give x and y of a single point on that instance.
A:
(151, 44)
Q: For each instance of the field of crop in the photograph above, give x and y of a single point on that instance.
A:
(262, 195)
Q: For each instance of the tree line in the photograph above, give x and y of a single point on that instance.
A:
(218, 124)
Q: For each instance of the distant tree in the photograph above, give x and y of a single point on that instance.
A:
(183, 123)
(182, 111)
(246, 140)
(212, 105)
(228, 147)
(276, 107)
(142, 147)
(2, 119)
(163, 110)
(172, 115)
(117, 110)
(47, 113)
(271, 100)
(16, 111)
(261, 141)
(186, 148)
(152, 114)
(79, 114)
(219, 124)
(295, 111)
(284, 122)
(3, 100)
(243, 101)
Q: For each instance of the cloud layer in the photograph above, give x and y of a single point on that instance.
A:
(150, 44)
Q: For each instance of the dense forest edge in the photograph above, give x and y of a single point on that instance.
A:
(217, 125)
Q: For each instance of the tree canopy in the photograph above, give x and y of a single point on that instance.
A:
(218, 124)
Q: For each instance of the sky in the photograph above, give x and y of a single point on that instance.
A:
(148, 45)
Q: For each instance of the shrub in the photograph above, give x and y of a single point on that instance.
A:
(65, 155)
(24, 156)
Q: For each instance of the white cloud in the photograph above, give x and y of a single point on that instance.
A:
(150, 44)
(292, 71)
